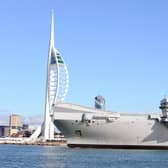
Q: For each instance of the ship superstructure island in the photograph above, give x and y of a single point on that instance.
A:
(97, 127)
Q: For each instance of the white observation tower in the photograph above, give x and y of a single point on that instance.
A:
(56, 85)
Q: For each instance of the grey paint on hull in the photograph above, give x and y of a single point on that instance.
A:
(127, 130)
(84, 126)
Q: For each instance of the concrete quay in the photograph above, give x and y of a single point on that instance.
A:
(25, 141)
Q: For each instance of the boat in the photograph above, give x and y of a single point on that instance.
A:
(97, 128)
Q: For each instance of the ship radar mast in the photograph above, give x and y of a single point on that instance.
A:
(164, 107)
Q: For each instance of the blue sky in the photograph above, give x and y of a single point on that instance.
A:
(115, 48)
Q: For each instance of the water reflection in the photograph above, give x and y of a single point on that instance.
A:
(54, 157)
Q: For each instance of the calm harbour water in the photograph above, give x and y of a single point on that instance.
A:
(14, 156)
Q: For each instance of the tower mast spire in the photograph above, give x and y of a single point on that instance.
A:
(48, 131)
(52, 31)
(56, 85)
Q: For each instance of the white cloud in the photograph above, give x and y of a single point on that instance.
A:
(4, 116)
(33, 121)
(4, 119)
(4, 110)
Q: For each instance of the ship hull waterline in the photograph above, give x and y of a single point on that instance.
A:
(127, 147)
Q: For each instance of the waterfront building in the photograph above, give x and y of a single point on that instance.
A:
(4, 131)
(14, 124)
(25, 127)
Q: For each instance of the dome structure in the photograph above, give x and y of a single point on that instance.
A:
(99, 102)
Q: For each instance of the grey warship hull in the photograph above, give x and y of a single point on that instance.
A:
(85, 127)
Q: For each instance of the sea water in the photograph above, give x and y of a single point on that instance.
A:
(20, 156)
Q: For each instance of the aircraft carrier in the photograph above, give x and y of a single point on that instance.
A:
(95, 127)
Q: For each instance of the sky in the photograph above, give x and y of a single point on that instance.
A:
(114, 48)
